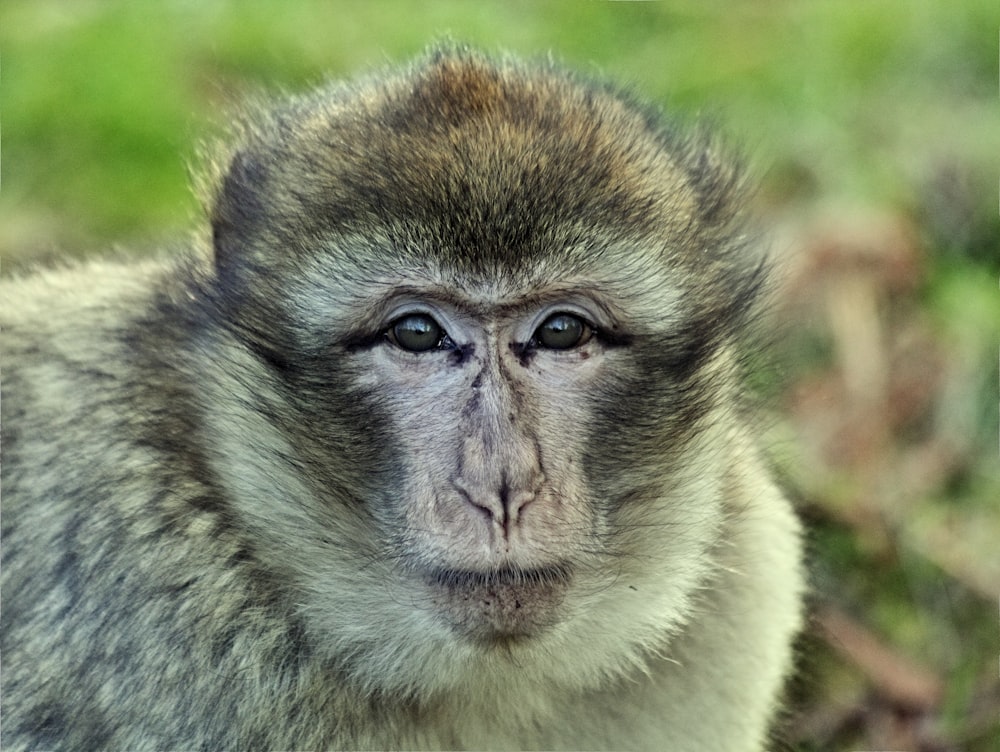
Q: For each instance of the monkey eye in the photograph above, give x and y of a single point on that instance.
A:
(416, 332)
(562, 331)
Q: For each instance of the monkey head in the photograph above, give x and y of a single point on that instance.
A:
(495, 309)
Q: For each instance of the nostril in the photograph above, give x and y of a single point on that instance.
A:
(516, 499)
(473, 497)
(504, 502)
(505, 495)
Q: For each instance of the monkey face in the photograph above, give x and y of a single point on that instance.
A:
(495, 507)
(496, 308)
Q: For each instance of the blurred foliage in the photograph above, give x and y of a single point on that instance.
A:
(876, 130)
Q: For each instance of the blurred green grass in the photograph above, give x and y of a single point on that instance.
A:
(859, 116)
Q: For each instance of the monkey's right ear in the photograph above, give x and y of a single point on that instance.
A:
(238, 210)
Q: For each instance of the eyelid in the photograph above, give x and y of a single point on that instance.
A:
(568, 308)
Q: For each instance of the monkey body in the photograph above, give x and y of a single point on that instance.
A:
(435, 443)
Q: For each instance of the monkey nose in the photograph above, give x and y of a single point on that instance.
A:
(501, 501)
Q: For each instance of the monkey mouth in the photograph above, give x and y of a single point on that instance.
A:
(503, 605)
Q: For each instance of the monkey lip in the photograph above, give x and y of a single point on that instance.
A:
(500, 605)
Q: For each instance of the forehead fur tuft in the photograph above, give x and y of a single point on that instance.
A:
(482, 163)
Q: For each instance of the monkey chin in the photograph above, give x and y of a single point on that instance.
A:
(500, 608)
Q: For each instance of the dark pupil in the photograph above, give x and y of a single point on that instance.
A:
(560, 332)
(417, 333)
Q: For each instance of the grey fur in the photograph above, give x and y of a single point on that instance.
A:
(237, 516)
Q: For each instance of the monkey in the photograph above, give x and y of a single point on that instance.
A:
(434, 436)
